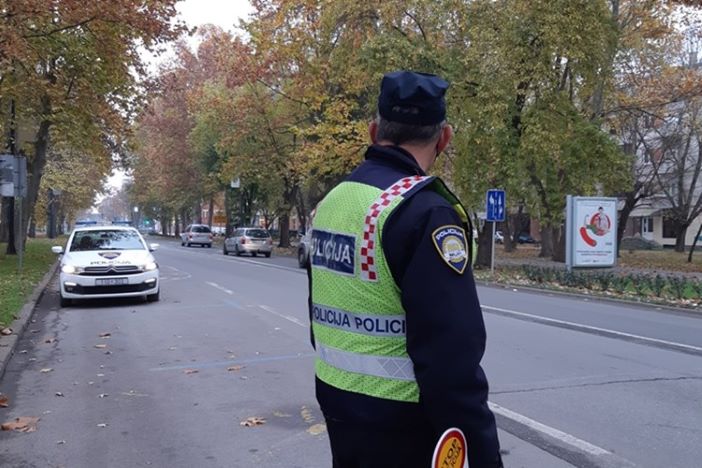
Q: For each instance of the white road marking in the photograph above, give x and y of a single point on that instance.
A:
(185, 276)
(606, 331)
(221, 288)
(286, 317)
(550, 431)
(273, 265)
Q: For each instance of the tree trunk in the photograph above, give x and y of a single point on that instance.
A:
(520, 221)
(165, 220)
(32, 228)
(558, 239)
(10, 221)
(509, 244)
(35, 167)
(284, 230)
(183, 222)
(4, 225)
(694, 244)
(546, 242)
(301, 213)
(681, 231)
(210, 211)
(198, 212)
(484, 256)
(228, 212)
(61, 221)
(629, 204)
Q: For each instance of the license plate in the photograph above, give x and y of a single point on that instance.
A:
(111, 281)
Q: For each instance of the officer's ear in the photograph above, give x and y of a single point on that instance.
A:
(373, 131)
(444, 138)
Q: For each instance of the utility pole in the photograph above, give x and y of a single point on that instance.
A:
(10, 220)
(51, 216)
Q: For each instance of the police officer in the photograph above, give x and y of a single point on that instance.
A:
(395, 316)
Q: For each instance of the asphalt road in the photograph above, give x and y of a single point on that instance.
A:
(573, 382)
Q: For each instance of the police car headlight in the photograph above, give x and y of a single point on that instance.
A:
(69, 269)
(151, 266)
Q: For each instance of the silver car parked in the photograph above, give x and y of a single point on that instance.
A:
(196, 234)
(303, 249)
(250, 240)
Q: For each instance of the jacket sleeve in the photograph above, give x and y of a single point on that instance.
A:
(446, 340)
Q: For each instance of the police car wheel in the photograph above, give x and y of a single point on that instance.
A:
(65, 302)
(154, 297)
(224, 249)
(267, 254)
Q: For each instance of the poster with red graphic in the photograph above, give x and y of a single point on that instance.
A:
(593, 231)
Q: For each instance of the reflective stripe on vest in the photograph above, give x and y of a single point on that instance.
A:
(365, 324)
(395, 368)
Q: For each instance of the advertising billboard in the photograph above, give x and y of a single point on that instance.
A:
(592, 232)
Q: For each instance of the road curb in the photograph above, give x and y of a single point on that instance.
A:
(19, 325)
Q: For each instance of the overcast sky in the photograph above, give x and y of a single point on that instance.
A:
(223, 13)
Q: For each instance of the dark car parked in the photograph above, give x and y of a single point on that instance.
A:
(525, 238)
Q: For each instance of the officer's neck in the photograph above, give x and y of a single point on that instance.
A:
(423, 154)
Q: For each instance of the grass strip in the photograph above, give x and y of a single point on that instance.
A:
(15, 289)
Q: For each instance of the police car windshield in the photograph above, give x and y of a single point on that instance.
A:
(84, 241)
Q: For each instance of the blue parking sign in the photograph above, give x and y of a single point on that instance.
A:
(495, 205)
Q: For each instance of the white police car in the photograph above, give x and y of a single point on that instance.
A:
(106, 262)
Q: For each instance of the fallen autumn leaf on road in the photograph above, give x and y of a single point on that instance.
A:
(50, 339)
(101, 346)
(46, 370)
(234, 368)
(6, 331)
(253, 421)
(4, 401)
(105, 335)
(190, 371)
(21, 424)
(317, 429)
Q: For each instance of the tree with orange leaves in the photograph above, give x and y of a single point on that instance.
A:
(69, 69)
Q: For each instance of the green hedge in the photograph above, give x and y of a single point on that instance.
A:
(644, 286)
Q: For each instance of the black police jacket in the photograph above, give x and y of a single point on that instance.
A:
(445, 328)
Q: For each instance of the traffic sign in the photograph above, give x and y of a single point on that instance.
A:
(13, 176)
(495, 205)
(451, 451)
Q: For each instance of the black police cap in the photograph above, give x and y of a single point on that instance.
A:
(412, 98)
